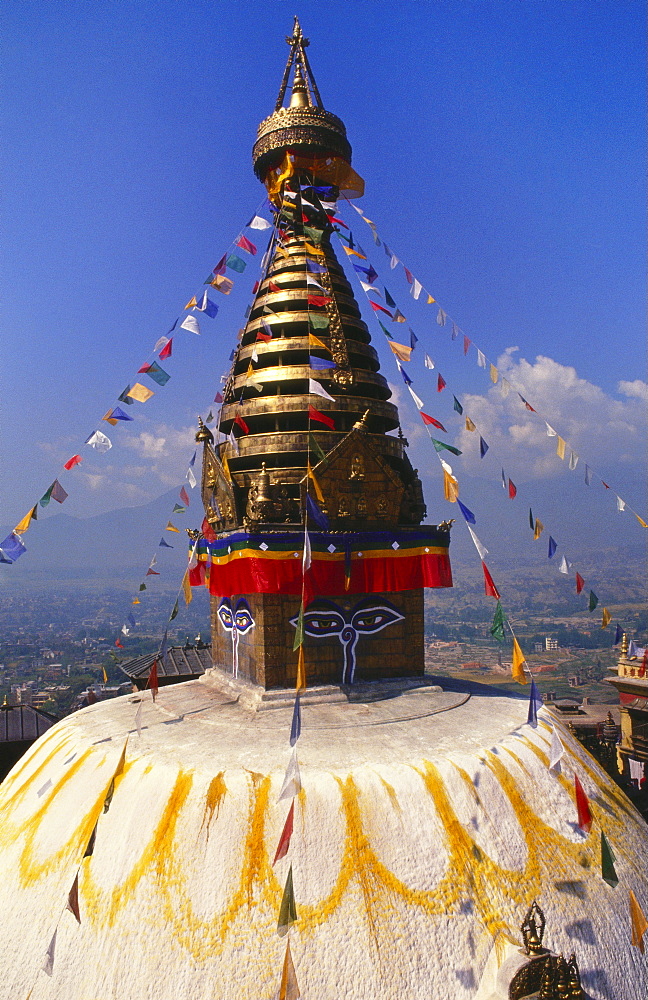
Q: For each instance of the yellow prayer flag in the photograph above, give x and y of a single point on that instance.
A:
(316, 485)
(23, 525)
(560, 447)
(313, 250)
(222, 283)
(105, 675)
(314, 341)
(638, 922)
(186, 588)
(430, 300)
(400, 350)
(289, 987)
(368, 221)
(607, 618)
(641, 521)
(281, 251)
(537, 531)
(301, 669)
(469, 425)
(494, 374)
(172, 527)
(190, 304)
(140, 392)
(518, 673)
(353, 253)
(136, 601)
(109, 419)
(450, 487)
(226, 468)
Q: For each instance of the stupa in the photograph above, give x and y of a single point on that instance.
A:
(433, 853)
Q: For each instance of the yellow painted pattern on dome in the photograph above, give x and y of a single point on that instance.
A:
(11, 801)
(215, 793)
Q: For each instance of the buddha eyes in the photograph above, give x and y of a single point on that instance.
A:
(244, 620)
(367, 620)
(323, 623)
(374, 619)
(241, 619)
(226, 617)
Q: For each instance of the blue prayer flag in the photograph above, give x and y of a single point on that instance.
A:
(321, 520)
(413, 339)
(12, 547)
(535, 702)
(295, 728)
(618, 635)
(468, 514)
(406, 379)
(193, 459)
(131, 619)
(457, 406)
(158, 374)
(164, 544)
(552, 547)
(210, 308)
(483, 447)
(118, 414)
(389, 300)
(235, 263)
(314, 267)
(320, 364)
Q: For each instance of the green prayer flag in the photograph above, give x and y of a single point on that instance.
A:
(315, 448)
(179, 509)
(457, 405)
(315, 235)
(608, 871)
(158, 374)
(45, 499)
(299, 628)
(319, 321)
(142, 586)
(442, 446)
(385, 330)
(174, 612)
(531, 520)
(287, 911)
(236, 263)
(593, 600)
(497, 628)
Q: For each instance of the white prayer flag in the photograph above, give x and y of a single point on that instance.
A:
(359, 210)
(306, 559)
(505, 387)
(314, 283)
(448, 468)
(48, 964)
(588, 475)
(191, 479)
(292, 779)
(620, 504)
(483, 551)
(259, 223)
(481, 359)
(556, 752)
(191, 324)
(551, 433)
(162, 342)
(441, 318)
(429, 363)
(232, 440)
(393, 261)
(416, 289)
(254, 356)
(418, 401)
(318, 390)
(573, 461)
(99, 441)
(564, 567)
(370, 288)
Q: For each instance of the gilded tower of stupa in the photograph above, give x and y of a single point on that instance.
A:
(312, 441)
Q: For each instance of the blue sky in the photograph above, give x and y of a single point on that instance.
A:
(503, 150)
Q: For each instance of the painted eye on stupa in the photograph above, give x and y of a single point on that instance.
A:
(243, 618)
(323, 623)
(226, 616)
(374, 619)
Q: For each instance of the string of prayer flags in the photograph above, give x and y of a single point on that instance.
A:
(286, 834)
(288, 988)
(497, 627)
(295, 726)
(608, 871)
(483, 447)
(638, 922)
(489, 584)
(314, 414)
(606, 618)
(292, 779)
(427, 419)
(582, 806)
(191, 324)
(535, 702)
(593, 600)
(442, 446)
(287, 910)
(99, 441)
(140, 392)
(556, 751)
(71, 462)
(553, 545)
(518, 673)
(73, 899)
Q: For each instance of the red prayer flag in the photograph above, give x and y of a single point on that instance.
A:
(489, 583)
(184, 496)
(119, 643)
(263, 336)
(152, 682)
(318, 300)
(580, 583)
(208, 532)
(218, 398)
(583, 807)
(314, 414)
(242, 424)
(221, 266)
(378, 308)
(255, 287)
(166, 350)
(71, 462)
(512, 489)
(644, 664)
(441, 383)
(427, 419)
(466, 344)
(284, 840)
(245, 244)
(273, 286)
(150, 572)
(408, 275)
(334, 218)
(605, 484)
(143, 369)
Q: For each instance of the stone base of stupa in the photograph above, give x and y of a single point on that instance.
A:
(427, 823)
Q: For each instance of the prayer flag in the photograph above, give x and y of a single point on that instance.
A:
(314, 414)
(468, 514)
(573, 461)
(528, 405)
(470, 426)
(618, 635)
(489, 584)
(152, 682)
(494, 374)
(483, 447)
(481, 359)
(556, 751)
(620, 504)
(378, 308)
(430, 299)
(191, 303)
(125, 398)
(99, 441)
(406, 379)
(320, 364)
(319, 321)
(287, 910)
(223, 284)
(428, 362)
(441, 383)
(389, 300)
(140, 393)
(314, 341)
(48, 964)
(441, 318)
(456, 405)
(638, 922)
(593, 600)
(150, 572)
(588, 475)
(288, 988)
(174, 612)
(321, 520)
(186, 589)
(580, 583)
(512, 489)
(563, 568)
(23, 525)
(164, 545)
(292, 779)
(178, 509)
(560, 448)
(295, 727)
(393, 261)
(117, 414)
(12, 547)
(503, 479)
(108, 417)
(398, 316)
(531, 520)
(641, 520)
(191, 324)
(208, 307)
(400, 350)
(416, 289)
(417, 399)
(316, 268)
(142, 586)
(368, 287)
(497, 628)
(408, 275)
(450, 486)
(427, 419)
(240, 422)
(535, 702)
(442, 446)
(319, 300)
(552, 548)
(161, 342)
(299, 630)
(606, 618)
(184, 496)
(258, 222)
(318, 390)
(608, 871)
(73, 899)
(582, 806)
(191, 479)
(286, 834)
(538, 529)
(466, 344)
(301, 670)
(244, 243)
(351, 252)
(311, 476)
(550, 431)
(235, 263)
(310, 282)
(517, 672)
(71, 462)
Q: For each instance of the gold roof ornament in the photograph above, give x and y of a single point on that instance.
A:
(533, 930)
(203, 434)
